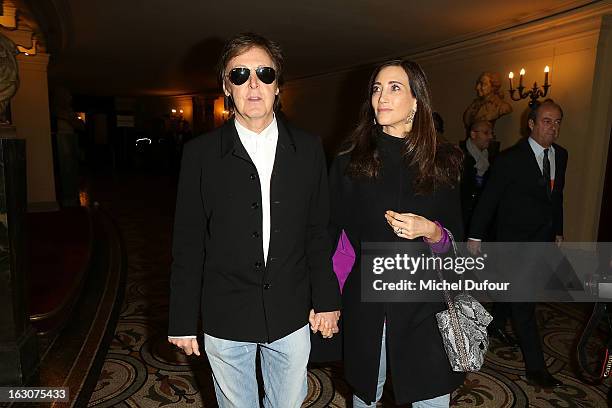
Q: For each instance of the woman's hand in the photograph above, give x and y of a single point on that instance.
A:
(411, 226)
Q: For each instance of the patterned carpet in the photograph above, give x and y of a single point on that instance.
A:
(141, 370)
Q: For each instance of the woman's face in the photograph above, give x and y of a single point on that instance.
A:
(392, 100)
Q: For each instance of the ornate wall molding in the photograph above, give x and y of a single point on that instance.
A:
(22, 38)
(53, 20)
(18, 27)
(581, 23)
(38, 62)
(8, 18)
(532, 32)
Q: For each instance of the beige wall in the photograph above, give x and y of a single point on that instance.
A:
(571, 52)
(572, 45)
(30, 113)
(599, 124)
(327, 105)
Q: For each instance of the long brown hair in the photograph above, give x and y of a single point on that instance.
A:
(436, 162)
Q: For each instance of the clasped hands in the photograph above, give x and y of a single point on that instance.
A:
(325, 322)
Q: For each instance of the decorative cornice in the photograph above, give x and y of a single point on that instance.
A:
(16, 25)
(8, 18)
(19, 37)
(54, 21)
(38, 62)
(29, 51)
(527, 25)
(581, 21)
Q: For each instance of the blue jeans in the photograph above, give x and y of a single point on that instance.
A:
(442, 401)
(283, 367)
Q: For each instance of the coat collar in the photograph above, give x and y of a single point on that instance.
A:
(230, 141)
(524, 145)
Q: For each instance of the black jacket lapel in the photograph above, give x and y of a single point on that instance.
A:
(230, 142)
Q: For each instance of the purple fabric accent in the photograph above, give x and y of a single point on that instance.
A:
(443, 244)
(343, 259)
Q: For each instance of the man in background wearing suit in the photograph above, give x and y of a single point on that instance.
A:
(525, 190)
(478, 153)
(250, 247)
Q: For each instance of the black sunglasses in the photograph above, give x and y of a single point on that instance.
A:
(239, 76)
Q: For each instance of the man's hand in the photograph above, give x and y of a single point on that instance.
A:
(189, 346)
(325, 322)
(473, 246)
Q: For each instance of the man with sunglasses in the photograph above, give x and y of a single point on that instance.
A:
(250, 244)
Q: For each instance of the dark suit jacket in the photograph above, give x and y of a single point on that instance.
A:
(516, 189)
(218, 265)
(470, 190)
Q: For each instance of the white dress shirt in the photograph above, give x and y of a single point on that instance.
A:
(261, 148)
(539, 154)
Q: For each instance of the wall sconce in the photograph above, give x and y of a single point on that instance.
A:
(176, 114)
(534, 93)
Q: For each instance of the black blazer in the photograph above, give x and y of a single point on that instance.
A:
(470, 190)
(516, 189)
(218, 265)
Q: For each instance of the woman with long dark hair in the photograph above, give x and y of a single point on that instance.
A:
(397, 182)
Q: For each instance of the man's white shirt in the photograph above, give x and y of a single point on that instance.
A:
(538, 151)
(261, 148)
(539, 155)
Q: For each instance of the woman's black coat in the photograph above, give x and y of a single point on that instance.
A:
(415, 353)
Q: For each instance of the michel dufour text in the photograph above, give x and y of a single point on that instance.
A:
(410, 264)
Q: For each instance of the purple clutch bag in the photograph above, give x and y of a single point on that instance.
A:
(343, 259)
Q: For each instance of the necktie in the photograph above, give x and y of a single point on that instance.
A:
(546, 169)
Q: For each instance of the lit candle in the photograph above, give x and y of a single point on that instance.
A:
(546, 69)
(521, 77)
(510, 76)
(173, 110)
